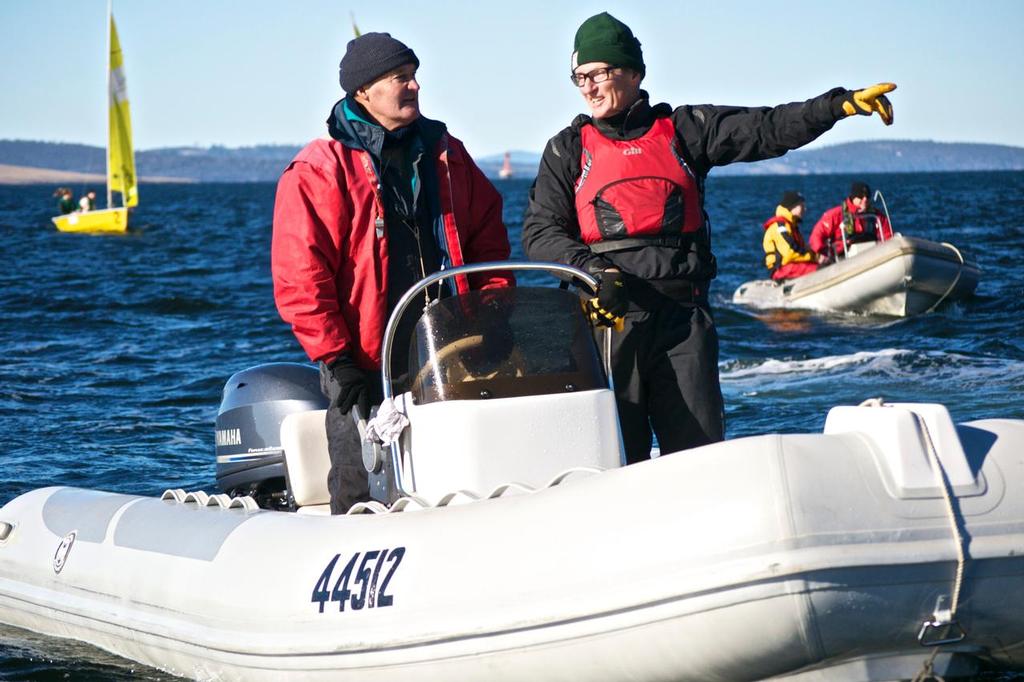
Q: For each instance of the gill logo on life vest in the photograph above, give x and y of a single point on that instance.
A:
(589, 161)
(632, 151)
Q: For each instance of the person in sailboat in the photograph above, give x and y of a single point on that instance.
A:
(65, 200)
(387, 198)
(87, 202)
(620, 193)
(785, 253)
(855, 220)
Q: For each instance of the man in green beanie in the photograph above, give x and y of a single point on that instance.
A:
(620, 193)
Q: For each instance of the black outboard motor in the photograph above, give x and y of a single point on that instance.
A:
(250, 459)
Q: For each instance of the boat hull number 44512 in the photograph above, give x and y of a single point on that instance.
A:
(363, 580)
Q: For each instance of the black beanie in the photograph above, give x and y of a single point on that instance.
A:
(603, 38)
(791, 199)
(369, 57)
(859, 189)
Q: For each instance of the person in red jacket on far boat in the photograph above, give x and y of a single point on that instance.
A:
(854, 219)
(387, 198)
(785, 254)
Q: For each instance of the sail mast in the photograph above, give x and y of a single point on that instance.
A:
(110, 191)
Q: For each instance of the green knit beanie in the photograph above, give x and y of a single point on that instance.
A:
(603, 38)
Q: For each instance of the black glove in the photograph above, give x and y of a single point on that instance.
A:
(353, 384)
(612, 300)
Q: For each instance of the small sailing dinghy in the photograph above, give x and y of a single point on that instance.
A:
(121, 176)
(506, 540)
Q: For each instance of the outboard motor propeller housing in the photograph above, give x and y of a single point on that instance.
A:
(250, 459)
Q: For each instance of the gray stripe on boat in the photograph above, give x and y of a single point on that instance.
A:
(183, 530)
(86, 511)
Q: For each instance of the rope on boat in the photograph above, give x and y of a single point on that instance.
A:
(941, 618)
(947, 494)
(956, 280)
(927, 671)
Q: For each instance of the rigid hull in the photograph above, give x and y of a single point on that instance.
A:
(757, 557)
(101, 220)
(900, 277)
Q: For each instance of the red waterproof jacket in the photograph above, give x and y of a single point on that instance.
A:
(329, 255)
(826, 237)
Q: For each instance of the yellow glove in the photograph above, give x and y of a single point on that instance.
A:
(870, 100)
(611, 303)
(599, 317)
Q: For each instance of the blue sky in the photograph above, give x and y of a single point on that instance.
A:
(204, 72)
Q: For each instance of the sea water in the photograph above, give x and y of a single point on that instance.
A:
(115, 347)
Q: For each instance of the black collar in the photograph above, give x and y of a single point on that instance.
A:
(631, 123)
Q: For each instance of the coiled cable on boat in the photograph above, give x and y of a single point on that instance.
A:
(956, 280)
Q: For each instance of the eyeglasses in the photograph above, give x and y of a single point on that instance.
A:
(596, 76)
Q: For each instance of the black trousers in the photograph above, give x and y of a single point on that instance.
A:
(665, 369)
(347, 480)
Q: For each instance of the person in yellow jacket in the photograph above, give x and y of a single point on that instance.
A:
(785, 253)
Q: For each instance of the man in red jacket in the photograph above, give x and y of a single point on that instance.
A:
(852, 221)
(388, 198)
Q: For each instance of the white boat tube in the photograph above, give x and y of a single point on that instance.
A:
(899, 277)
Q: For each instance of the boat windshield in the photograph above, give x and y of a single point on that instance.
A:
(870, 222)
(503, 343)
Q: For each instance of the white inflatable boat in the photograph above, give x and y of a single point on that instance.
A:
(900, 277)
(507, 542)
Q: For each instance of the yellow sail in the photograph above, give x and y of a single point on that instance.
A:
(121, 168)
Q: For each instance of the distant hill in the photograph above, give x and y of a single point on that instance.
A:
(24, 175)
(188, 164)
(27, 175)
(897, 156)
(265, 163)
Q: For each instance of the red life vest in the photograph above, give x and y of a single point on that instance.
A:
(794, 231)
(780, 219)
(635, 188)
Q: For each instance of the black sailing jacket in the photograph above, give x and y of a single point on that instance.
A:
(709, 136)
